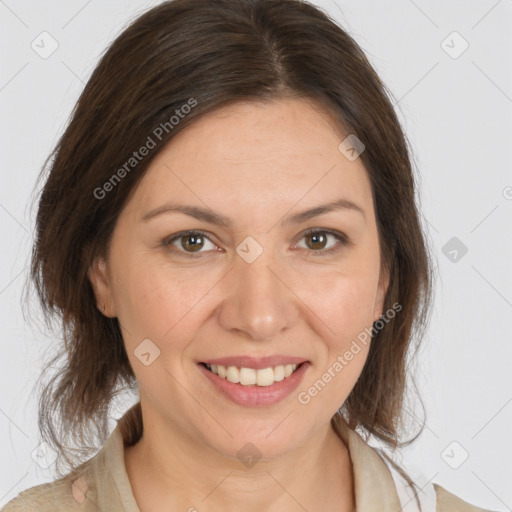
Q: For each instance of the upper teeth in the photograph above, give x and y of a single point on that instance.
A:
(250, 376)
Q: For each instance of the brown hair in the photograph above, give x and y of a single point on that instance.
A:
(207, 54)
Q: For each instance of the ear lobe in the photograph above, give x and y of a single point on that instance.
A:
(381, 294)
(98, 276)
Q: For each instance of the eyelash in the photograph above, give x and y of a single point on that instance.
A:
(340, 237)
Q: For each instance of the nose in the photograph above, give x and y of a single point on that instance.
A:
(259, 305)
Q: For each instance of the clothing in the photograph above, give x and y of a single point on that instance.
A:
(102, 484)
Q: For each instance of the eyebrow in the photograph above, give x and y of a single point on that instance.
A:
(212, 217)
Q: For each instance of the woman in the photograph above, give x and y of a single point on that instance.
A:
(228, 227)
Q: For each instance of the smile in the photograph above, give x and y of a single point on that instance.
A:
(251, 376)
(254, 387)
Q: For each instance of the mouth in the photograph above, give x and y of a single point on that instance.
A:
(246, 376)
(251, 382)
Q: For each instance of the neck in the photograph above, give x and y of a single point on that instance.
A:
(170, 470)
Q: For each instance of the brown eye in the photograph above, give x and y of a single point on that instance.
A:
(188, 243)
(317, 240)
(192, 242)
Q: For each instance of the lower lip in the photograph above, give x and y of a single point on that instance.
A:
(256, 396)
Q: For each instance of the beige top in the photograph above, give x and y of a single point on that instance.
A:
(102, 484)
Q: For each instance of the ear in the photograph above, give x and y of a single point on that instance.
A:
(99, 278)
(381, 294)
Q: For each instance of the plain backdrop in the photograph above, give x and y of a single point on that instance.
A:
(448, 67)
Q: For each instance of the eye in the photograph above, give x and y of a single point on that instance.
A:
(318, 239)
(191, 242)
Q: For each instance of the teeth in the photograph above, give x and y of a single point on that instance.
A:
(233, 374)
(250, 376)
(265, 377)
(247, 376)
(288, 370)
(279, 373)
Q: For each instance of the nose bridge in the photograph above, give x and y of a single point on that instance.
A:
(258, 280)
(258, 303)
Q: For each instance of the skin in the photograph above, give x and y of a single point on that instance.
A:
(255, 163)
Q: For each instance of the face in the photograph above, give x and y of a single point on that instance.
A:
(241, 281)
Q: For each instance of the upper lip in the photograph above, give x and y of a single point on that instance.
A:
(257, 363)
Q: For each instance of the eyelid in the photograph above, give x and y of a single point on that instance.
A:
(338, 234)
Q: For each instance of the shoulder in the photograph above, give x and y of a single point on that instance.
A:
(39, 498)
(62, 495)
(448, 502)
(98, 484)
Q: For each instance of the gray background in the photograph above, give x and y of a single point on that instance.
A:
(456, 108)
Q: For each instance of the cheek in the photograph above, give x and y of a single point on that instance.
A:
(151, 301)
(152, 305)
(344, 301)
(344, 319)
(349, 317)
(149, 290)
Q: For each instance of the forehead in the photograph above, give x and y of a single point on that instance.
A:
(257, 154)
(246, 133)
